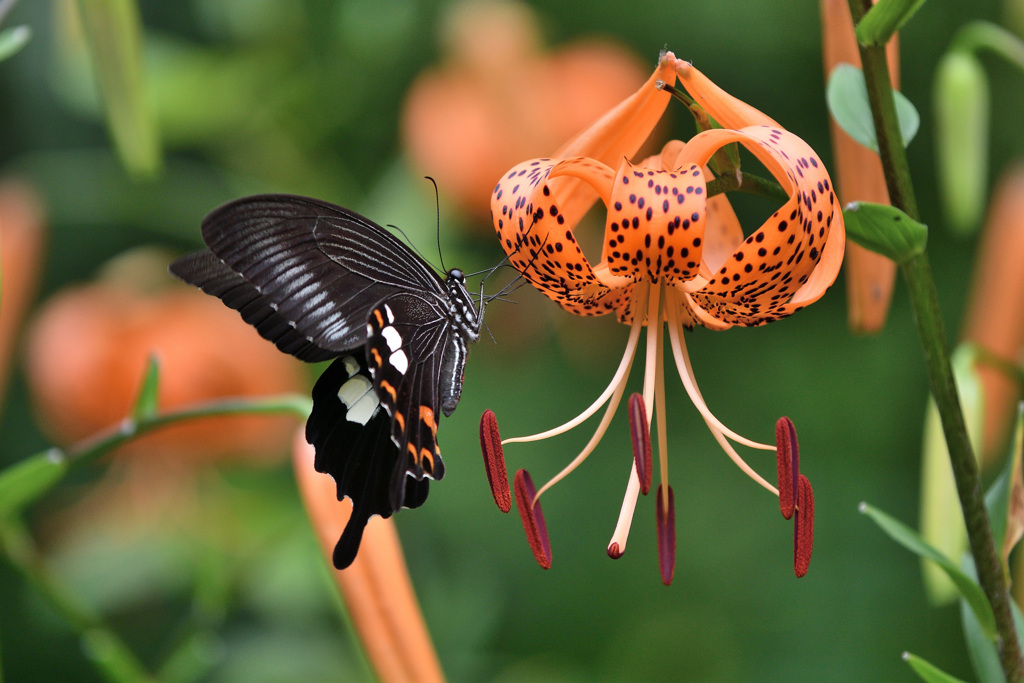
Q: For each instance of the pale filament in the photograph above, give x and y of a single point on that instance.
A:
(620, 375)
(652, 368)
(660, 406)
(613, 404)
(718, 430)
(625, 520)
(690, 382)
(614, 391)
(734, 456)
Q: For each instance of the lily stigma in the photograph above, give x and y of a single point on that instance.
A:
(672, 257)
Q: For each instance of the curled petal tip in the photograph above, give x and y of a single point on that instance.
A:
(641, 435)
(666, 507)
(533, 519)
(787, 456)
(615, 552)
(803, 528)
(494, 460)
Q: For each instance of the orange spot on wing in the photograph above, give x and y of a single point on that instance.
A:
(427, 460)
(386, 386)
(379, 317)
(427, 416)
(377, 360)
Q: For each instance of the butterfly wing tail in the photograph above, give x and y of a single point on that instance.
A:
(351, 436)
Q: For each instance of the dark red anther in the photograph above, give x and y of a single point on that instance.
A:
(640, 431)
(787, 455)
(494, 460)
(615, 552)
(533, 519)
(666, 507)
(803, 527)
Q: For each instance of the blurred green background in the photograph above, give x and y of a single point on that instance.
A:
(263, 96)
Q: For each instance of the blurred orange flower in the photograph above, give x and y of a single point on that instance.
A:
(496, 77)
(995, 312)
(88, 349)
(870, 277)
(22, 233)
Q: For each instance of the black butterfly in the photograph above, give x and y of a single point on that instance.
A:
(322, 283)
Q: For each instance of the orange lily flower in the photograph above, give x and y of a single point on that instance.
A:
(671, 258)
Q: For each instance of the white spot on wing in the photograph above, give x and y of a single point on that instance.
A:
(351, 366)
(392, 337)
(363, 409)
(400, 361)
(359, 397)
(354, 389)
(391, 315)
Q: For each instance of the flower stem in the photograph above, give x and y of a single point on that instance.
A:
(131, 428)
(921, 289)
(749, 183)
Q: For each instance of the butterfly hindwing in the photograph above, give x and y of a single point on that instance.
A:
(351, 435)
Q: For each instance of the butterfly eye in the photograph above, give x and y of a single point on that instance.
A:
(457, 275)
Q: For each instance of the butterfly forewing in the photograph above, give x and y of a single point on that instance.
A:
(320, 266)
(209, 273)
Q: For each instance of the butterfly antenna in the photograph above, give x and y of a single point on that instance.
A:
(520, 279)
(411, 244)
(437, 208)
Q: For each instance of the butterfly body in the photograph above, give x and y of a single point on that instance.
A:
(324, 283)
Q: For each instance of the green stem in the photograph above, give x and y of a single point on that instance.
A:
(131, 428)
(112, 658)
(749, 183)
(921, 288)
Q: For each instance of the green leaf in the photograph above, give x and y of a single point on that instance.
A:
(22, 483)
(884, 19)
(146, 401)
(847, 97)
(929, 672)
(942, 521)
(981, 650)
(13, 39)
(886, 230)
(910, 540)
(113, 31)
(962, 113)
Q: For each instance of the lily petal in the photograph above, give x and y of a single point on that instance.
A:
(655, 227)
(776, 271)
(617, 134)
(725, 109)
(536, 234)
